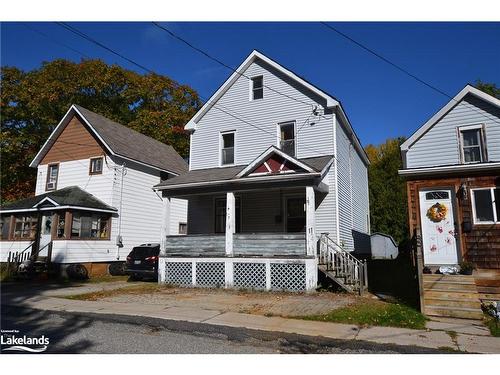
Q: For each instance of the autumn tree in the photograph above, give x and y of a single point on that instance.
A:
(388, 202)
(33, 102)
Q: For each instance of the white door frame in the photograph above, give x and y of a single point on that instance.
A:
(453, 200)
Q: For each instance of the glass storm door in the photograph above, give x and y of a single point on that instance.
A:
(438, 227)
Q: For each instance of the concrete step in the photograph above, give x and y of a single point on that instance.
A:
(450, 285)
(453, 312)
(456, 302)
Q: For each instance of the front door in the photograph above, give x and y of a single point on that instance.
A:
(45, 232)
(295, 214)
(438, 227)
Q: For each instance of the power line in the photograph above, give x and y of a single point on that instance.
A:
(220, 108)
(92, 40)
(53, 40)
(220, 62)
(376, 54)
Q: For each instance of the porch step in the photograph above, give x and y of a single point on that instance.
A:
(472, 303)
(461, 286)
(456, 278)
(450, 294)
(454, 312)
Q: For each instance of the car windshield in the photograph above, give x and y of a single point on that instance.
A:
(143, 252)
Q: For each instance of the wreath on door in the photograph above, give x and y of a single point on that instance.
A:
(437, 212)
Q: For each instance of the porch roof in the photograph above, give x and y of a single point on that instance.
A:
(230, 177)
(69, 197)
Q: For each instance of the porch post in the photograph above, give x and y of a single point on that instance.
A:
(230, 222)
(165, 225)
(310, 222)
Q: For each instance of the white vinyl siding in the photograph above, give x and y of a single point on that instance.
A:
(314, 133)
(76, 173)
(440, 145)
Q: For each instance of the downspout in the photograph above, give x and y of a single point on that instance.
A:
(119, 240)
(336, 178)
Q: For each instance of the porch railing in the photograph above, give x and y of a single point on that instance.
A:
(341, 266)
(245, 244)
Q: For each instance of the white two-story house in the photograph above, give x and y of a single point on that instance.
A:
(94, 199)
(274, 167)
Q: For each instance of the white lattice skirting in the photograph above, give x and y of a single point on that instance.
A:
(243, 273)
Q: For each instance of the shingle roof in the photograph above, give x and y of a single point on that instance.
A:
(68, 196)
(228, 173)
(134, 145)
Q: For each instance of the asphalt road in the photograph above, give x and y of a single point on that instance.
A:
(96, 333)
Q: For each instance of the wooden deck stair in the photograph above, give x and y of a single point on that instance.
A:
(451, 296)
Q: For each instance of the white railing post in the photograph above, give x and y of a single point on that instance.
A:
(230, 222)
(165, 225)
(310, 221)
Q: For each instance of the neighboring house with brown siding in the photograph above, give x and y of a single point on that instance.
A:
(452, 167)
(93, 191)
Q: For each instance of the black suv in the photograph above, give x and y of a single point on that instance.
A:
(142, 262)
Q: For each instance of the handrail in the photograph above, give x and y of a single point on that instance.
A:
(347, 270)
(34, 255)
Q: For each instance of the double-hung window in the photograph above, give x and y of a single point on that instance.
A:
(227, 148)
(95, 165)
(486, 205)
(52, 174)
(257, 89)
(287, 138)
(471, 141)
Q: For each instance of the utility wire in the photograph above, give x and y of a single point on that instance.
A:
(92, 40)
(220, 62)
(376, 54)
(54, 40)
(220, 108)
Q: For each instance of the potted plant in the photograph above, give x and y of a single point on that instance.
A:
(466, 268)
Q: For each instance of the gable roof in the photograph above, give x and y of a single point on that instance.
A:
(331, 101)
(121, 141)
(314, 166)
(71, 196)
(265, 155)
(469, 89)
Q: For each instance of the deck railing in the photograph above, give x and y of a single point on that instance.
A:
(341, 266)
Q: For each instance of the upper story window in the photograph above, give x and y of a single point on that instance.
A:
(227, 148)
(52, 174)
(486, 205)
(257, 88)
(287, 138)
(96, 165)
(471, 141)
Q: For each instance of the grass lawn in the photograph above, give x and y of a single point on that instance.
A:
(375, 313)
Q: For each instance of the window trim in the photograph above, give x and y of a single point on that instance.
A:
(221, 144)
(278, 135)
(496, 215)
(482, 142)
(90, 165)
(251, 93)
(69, 236)
(48, 174)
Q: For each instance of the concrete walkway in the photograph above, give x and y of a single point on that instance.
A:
(436, 338)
